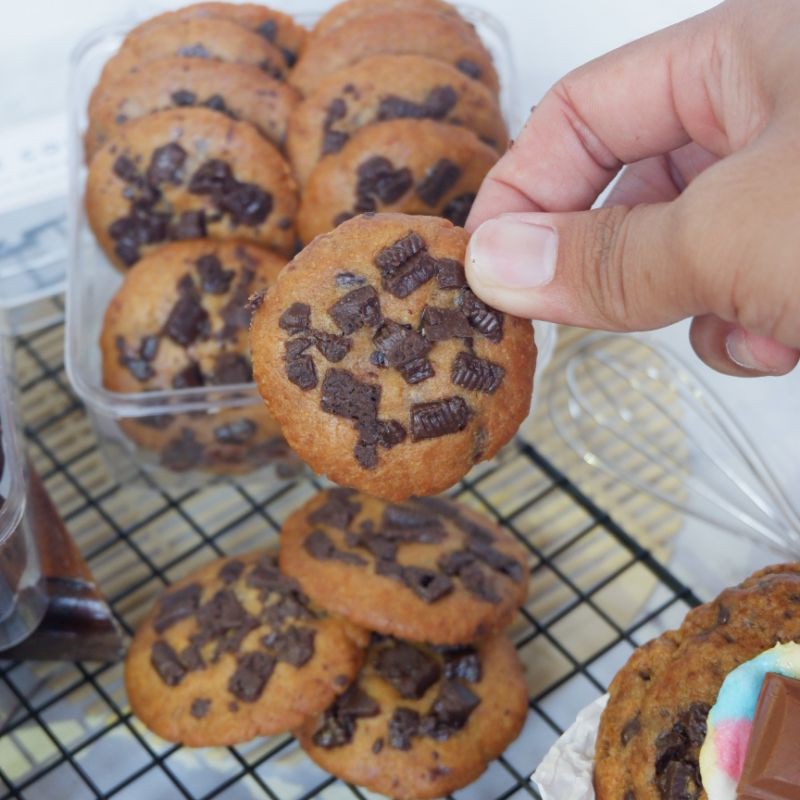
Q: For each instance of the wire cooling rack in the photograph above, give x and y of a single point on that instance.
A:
(597, 591)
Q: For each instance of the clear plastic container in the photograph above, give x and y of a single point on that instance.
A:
(22, 598)
(92, 281)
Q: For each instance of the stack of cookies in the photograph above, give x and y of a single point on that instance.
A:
(400, 113)
(375, 635)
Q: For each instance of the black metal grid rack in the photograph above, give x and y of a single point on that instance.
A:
(66, 730)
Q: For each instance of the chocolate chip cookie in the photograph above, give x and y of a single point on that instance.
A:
(239, 91)
(214, 39)
(384, 88)
(407, 165)
(179, 321)
(384, 370)
(655, 723)
(234, 651)
(430, 569)
(276, 27)
(421, 721)
(187, 174)
(386, 31)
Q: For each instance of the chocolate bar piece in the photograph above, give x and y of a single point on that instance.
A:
(772, 765)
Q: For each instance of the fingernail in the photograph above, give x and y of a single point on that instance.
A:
(513, 254)
(740, 351)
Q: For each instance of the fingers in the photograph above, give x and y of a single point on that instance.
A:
(730, 349)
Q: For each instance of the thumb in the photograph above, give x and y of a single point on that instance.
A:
(612, 268)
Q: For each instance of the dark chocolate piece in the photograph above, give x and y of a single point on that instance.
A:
(320, 546)
(165, 164)
(357, 309)
(346, 280)
(197, 50)
(295, 645)
(484, 319)
(302, 372)
(469, 68)
(333, 141)
(214, 279)
(238, 432)
(224, 621)
(339, 721)
(231, 571)
(457, 210)
(345, 396)
(190, 225)
(450, 711)
(408, 669)
(177, 605)
(183, 97)
(246, 203)
(391, 258)
(339, 510)
(496, 559)
(378, 179)
(462, 662)
(200, 707)
(438, 180)
(296, 318)
(478, 583)
(231, 368)
(408, 524)
(450, 273)
(437, 104)
(476, 374)
(212, 177)
(188, 321)
(189, 377)
(334, 348)
(183, 452)
(166, 663)
(439, 324)
(251, 675)
(438, 418)
(403, 727)
(677, 755)
(427, 584)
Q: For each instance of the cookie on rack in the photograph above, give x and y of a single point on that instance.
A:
(390, 31)
(654, 725)
(234, 651)
(409, 166)
(213, 39)
(421, 721)
(179, 321)
(384, 370)
(384, 88)
(430, 569)
(241, 91)
(276, 27)
(186, 174)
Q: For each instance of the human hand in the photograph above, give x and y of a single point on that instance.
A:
(705, 223)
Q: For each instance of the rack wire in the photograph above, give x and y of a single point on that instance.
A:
(597, 591)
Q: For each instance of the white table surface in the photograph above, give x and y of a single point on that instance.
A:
(547, 39)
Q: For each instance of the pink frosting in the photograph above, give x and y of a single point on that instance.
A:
(732, 738)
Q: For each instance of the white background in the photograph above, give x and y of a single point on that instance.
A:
(548, 39)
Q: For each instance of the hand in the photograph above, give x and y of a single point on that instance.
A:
(705, 223)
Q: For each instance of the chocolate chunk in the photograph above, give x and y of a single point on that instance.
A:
(723, 615)
(462, 662)
(217, 103)
(469, 67)
(390, 433)
(320, 546)
(224, 621)
(333, 348)
(455, 561)
(381, 547)
(497, 560)
(418, 270)
(252, 673)
(214, 279)
(247, 204)
(478, 583)
(357, 309)
(427, 584)
(268, 29)
(200, 707)
(483, 318)
(345, 396)
(183, 97)
(302, 372)
(295, 645)
(416, 371)
(631, 728)
(679, 781)
(438, 180)
(190, 225)
(284, 609)
(296, 318)
(403, 727)
(440, 101)
(231, 368)
(297, 346)
(677, 754)
(125, 169)
(165, 662)
(194, 51)
(211, 177)
(267, 578)
(338, 511)
(231, 571)
(138, 367)
(439, 324)
(450, 710)
(333, 142)
(408, 524)
(166, 163)
(192, 658)
(344, 280)
(239, 432)
(399, 344)
(377, 746)
(437, 104)
(188, 321)
(438, 418)
(177, 605)
(391, 258)
(377, 178)
(189, 377)
(450, 273)
(339, 721)
(183, 452)
(142, 226)
(457, 210)
(408, 669)
(476, 374)
(366, 454)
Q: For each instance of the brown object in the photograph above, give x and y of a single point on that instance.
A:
(78, 624)
(772, 766)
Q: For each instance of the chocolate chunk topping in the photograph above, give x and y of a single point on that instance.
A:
(631, 729)
(399, 344)
(231, 571)
(200, 707)
(407, 668)
(454, 562)
(497, 560)
(378, 179)
(437, 104)
(339, 721)
(438, 418)
(139, 365)
(377, 746)
(165, 662)
(345, 396)
(295, 645)
(457, 210)
(302, 372)
(344, 280)
(450, 274)
(394, 256)
(462, 662)
(296, 318)
(252, 673)
(177, 605)
(427, 584)
(381, 547)
(405, 265)
(408, 524)
(239, 431)
(483, 318)
(183, 452)
(450, 710)
(268, 29)
(439, 324)
(357, 309)
(438, 180)
(165, 164)
(366, 454)
(126, 170)
(476, 374)
(339, 510)
(403, 727)
(211, 177)
(469, 67)
(390, 433)
(677, 754)
(192, 658)
(333, 141)
(189, 377)
(190, 225)
(320, 546)
(246, 203)
(224, 621)
(213, 278)
(478, 583)
(194, 51)
(183, 97)
(188, 321)
(231, 368)
(333, 348)
(217, 103)
(142, 226)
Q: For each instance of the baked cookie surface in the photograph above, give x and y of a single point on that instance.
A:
(384, 370)
(384, 88)
(655, 723)
(386, 31)
(240, 91)
(430, 570)
(421, 721)
(180, 321)
(235, 651)
(408, 166)
(187, 174)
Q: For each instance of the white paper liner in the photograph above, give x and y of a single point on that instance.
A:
(566, 771)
